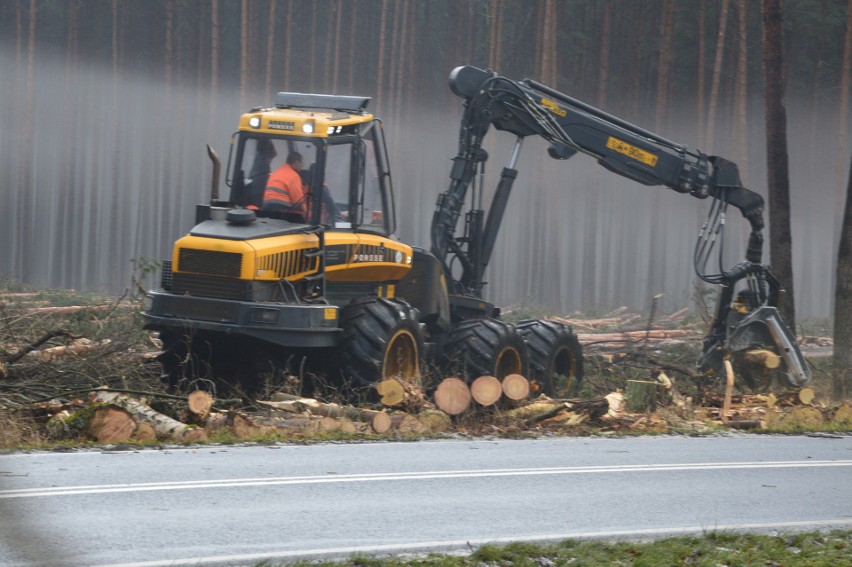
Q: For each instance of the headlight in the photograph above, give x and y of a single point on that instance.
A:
(308, 127)
(254, 121)
(259, 315)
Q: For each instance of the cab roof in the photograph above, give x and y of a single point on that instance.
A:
(316, 115)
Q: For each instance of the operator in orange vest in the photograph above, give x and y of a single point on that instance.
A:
(284, 189)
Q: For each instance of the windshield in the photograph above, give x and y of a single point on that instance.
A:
(342, 174)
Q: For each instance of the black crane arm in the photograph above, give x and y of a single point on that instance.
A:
(528, 108)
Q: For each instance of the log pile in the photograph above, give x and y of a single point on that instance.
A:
(49, 367)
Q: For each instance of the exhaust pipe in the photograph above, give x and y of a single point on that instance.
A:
(217, 168)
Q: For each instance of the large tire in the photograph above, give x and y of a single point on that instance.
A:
(556, 357)
(381, 339)
(486, 347)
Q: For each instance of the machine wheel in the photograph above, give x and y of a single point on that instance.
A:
(556, 357)
(486, 347)
(381, 339)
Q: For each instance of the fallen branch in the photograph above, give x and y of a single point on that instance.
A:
(635, 336)
(27, 349)
(68, 309)
(80, 346)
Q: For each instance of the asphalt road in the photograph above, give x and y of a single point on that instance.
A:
(242, 505)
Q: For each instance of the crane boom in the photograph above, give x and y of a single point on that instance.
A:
(529, 108)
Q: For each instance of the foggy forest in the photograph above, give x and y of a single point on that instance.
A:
(108, 105)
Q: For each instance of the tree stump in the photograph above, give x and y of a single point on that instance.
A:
(641, 396)
(452, 396)
(486, 390)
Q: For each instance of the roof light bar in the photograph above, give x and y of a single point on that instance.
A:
(332, 102)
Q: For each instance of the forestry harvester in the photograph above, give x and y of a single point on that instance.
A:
(327, 288)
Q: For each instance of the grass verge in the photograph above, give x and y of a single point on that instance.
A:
(711, 549)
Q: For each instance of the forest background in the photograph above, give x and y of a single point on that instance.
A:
(108, 105)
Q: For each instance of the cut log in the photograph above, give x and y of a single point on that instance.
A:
(532, 410)
(806, 395)
(244, 427)
(762, 357)
(435, 421)
(486, 390)
(376, 419)
(199, 403)
(407, 424)
(163, 425)
(391, 391)
(729, 390)
(516, 387)
(452, 396)
(381, 422)
(773, 417)
(144, 432)
(843, 414)
(804, 416)
(641, 395)
(111, 425)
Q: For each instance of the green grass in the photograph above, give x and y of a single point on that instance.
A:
(711, 549)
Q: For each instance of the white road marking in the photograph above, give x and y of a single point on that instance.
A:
(425, 546)
(422, 475)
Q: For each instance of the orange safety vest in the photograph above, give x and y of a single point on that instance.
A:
(284, 190)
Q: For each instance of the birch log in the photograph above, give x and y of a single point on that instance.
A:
(164, 426)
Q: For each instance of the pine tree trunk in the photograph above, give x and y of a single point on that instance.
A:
(780, 241)
(702, 55)
(270, 47)
(603, 66)
(843, 114)
(666, 56)
(244, 58)
(380, 73)
(842, 383)
(741, 95)
(717, 73)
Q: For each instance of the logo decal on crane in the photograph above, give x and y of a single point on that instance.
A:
(630, 151)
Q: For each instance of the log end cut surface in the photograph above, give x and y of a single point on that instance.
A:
(516, 387)
(452, 396)
(486, 390)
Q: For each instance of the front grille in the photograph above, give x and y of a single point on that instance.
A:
(227, 264)
(166, 275)
(289, 263)
(189, 308)
(210, 286)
